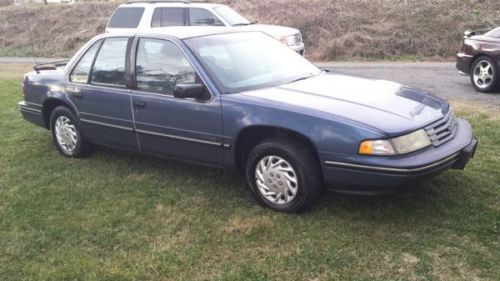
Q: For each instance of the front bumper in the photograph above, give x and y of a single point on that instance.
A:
(298, 48)
(464, 62)
(361, 174)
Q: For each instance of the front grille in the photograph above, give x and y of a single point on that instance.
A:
(298, 39)
(442, 130)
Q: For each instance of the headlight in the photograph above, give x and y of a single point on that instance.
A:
(400, 145)
(288, 40)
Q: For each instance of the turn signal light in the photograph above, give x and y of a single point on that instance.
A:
(366, 148)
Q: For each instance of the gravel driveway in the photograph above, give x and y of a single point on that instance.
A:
(440, 78)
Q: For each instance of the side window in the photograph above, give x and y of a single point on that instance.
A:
(109, 66)
(126, 18)
(80, 73)
(168, 17)
(199, 16)
(160, 65)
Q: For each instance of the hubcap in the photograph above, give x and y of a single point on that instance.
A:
(276, 180)
(65, 134)
(483, 74)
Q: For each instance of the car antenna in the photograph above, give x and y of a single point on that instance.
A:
(29, 32)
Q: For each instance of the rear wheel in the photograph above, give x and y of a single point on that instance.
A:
(67, 134)
(484, 75)
(284, 175)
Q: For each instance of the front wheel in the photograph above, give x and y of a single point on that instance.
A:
(67, 135)
(284, 175)
(484, 75)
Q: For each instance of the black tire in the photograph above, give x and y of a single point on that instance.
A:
(83, 147)
(303, 162)
(493, 83)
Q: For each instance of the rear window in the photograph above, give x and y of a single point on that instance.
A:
(169, 17)
(126, 18)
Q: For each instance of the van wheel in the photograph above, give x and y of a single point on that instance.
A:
(67, 135)
(284, 175)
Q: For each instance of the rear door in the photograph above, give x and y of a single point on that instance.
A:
(180, 128)
(98, 90)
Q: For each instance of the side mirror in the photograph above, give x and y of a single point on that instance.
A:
(185, 91)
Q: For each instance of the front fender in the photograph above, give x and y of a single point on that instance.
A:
(327, 133)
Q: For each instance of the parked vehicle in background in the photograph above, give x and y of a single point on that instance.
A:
(241, 100)
(479, 57)
(144, 15)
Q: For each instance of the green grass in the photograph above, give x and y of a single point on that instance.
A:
(120, 216)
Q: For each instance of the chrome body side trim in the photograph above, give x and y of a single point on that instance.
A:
(29, 110)
(31, 103)
(106, 125)
(155, 134)
(179, 138)
(388, 169)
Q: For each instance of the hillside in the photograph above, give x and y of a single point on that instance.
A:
(332, 29)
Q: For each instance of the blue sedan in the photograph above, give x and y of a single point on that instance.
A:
(243, 101)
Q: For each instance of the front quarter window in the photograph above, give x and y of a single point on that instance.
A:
(231, 16)
(200, 17)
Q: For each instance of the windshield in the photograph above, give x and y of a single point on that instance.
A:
(231, 16)
(247, 61)
(494, 33)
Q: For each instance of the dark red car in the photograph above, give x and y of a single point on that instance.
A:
(479, 57)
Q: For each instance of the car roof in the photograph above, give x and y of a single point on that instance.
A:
(180, 32)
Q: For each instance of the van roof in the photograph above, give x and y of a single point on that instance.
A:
(167, 3)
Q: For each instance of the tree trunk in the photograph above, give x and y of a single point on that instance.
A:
(45, 1)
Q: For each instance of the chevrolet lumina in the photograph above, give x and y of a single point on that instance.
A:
(243, 101)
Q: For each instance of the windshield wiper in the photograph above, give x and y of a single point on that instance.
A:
(301, 78)
(242, 24)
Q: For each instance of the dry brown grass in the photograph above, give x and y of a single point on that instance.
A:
(14, 70)
(332, 28)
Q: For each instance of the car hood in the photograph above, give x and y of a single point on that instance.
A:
(388, 106)
(275, 31)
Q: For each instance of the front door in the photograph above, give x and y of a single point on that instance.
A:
(187, 129)
(98, 90)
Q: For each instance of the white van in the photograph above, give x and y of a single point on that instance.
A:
(145, 15)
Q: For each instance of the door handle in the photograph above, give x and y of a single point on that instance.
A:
(75, 91)
(139, 104)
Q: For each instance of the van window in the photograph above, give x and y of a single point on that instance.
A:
(169, 17)
(126, 18)
(199, 16)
